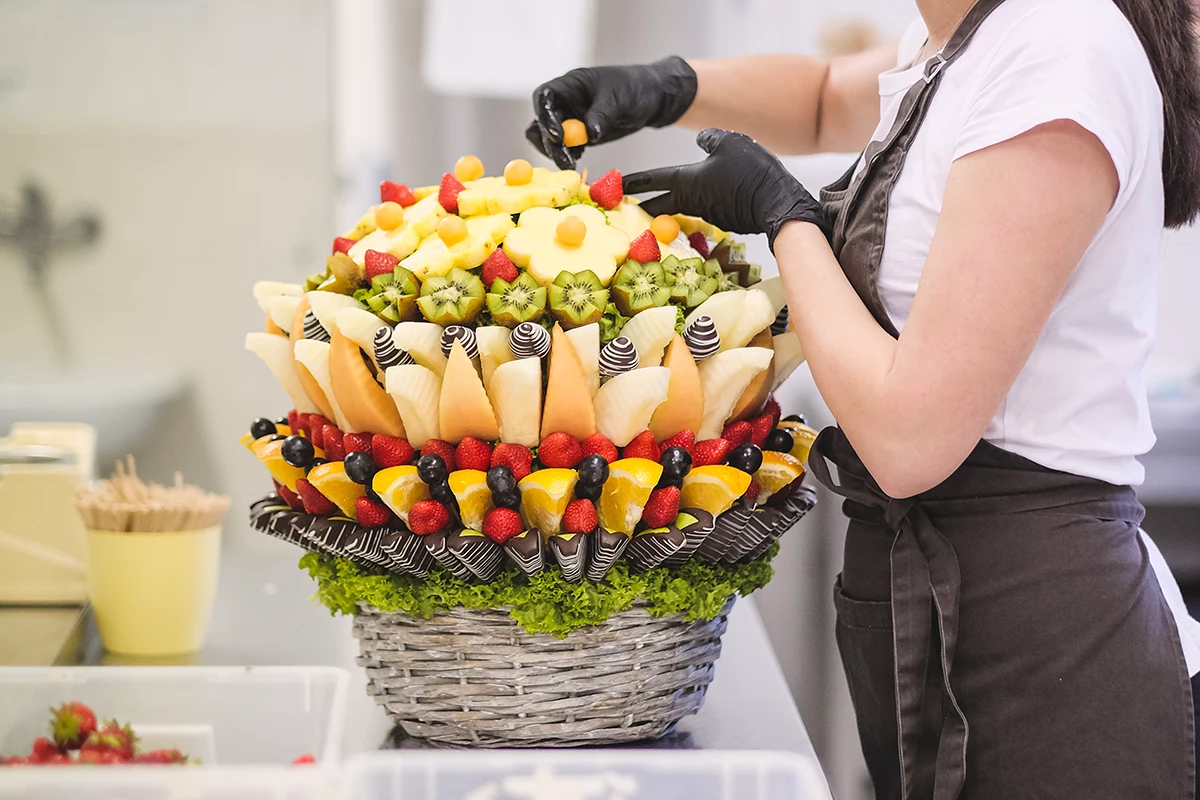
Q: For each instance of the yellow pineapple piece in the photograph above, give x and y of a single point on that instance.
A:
(420, 220)
(421, 192)
(548, 188)
(366, 224)
(537, 245)
(435, 257)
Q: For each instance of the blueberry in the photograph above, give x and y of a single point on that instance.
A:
(746, 457)
(374, 497)
(779, 440)
(275, 437)
(500, 480)
(431, 468)
(297, 451)
(441, 492)
(281, 420)
(667, 480)
(262, 427)
(588, 491)
(507, 499)
(676, 463)
(360, 467)
(316, 462)
(796, 418)
(593, 470)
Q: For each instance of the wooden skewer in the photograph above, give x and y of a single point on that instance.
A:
(125, 503)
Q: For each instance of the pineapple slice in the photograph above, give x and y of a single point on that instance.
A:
(535, 244)
(365, 224)
(550, 188)
(420, 220)
(434, 257)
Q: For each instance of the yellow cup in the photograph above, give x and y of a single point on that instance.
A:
(152, 593)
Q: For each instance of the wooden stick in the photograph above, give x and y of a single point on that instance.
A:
(125, 503)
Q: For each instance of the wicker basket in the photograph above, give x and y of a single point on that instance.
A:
(476, 679)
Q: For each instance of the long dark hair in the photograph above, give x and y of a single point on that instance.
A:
(1167, 33)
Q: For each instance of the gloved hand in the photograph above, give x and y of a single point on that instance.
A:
(740, 187)
(611, 101)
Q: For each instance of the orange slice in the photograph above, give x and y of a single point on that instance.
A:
(803, 437)
(268, 452)
(331, 480)
(544, 498)
(473, 495)
(778, 470)
(400, 488)
(630, 482)
(713, 488)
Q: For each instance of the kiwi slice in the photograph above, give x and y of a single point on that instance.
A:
(640, 286)
(392, 297)
(455, 298)
(523, 300)
(346, 277)
(728, 282)
(694, 280)
(316, 279)
(577, 298)
(731, 256)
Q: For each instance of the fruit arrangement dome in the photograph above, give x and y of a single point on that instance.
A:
(523, 393)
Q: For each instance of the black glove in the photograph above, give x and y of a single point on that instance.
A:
(611, 101)
(740, 187)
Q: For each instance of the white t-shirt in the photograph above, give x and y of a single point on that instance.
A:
(1079, 404)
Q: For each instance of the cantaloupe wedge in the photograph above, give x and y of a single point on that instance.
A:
(366, 406)
(754, 397)
(568, 405)
(684, 408)
(307, 381)
(314, 356)
(464, 408)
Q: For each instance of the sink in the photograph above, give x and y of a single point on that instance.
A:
(123, 405)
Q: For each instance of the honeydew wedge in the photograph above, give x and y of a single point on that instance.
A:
(415, 390)
(360, 326)
(496, 196)
(586, 341)
(723, 378)
(420, 220)
(365, 405)
(280, 310)
(422, 341)
(625, 404)
(773, 288)
(651, 331)
(276, 352)
(788, 356)
(311, 388)
(494, 350)
(738, 316)
(515, 391)
(314, 355)
(326, 305)
(463, 406)
(265, 290)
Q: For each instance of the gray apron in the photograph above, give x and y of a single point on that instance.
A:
(1002, 634)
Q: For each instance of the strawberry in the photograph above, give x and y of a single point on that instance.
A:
(307, 758)
(342, 244)
(356, 443)
(560, 450)
(99, 757)
(293, 418)
(370, 513)
(737, 433)
(662, 508)
(15, 761)
(607, 190)
(55, 759)
(316, 427)
(396, 193)
(288, 496)
(710, 451)
(644, 249)
(72, 724)
(514, 456)
(314, 502)
(43, 749)
(501, 524)
(753, 491)
(376, 263)
(448, 192)
(642, 446)
(498, 265)
(390, 451)
(699, 243)
(443, 449)
(427, 516)
(599, 444)
(684, 439)
(112, 738)
(760, 429)
(160, 756)
(473, 453)
(332, 438)
(580, 517)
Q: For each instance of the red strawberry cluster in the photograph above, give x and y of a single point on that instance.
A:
(514, 456)
(77, 738)
(376, 263)
(396, 193)
(608, 190)
(501, 524)
(645, 249)
(448, 192)
(498, 265)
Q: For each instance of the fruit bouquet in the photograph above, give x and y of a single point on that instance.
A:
(533, 449)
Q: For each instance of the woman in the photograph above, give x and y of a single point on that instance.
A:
(976, 300)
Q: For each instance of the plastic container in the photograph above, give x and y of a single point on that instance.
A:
(153, 592)
(221, 715)
(584, 775)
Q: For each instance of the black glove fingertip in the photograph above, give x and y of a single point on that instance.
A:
(662, 204)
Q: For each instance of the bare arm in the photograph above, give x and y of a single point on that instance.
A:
(1016, 219)
(793, 104)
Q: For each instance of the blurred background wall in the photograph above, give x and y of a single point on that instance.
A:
(219, 142)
